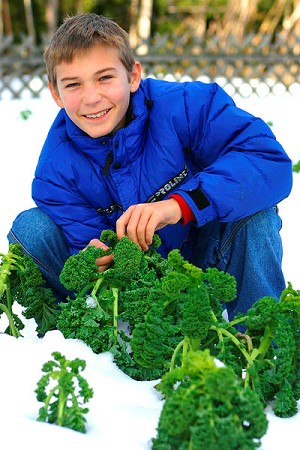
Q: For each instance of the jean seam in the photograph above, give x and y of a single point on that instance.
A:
(240, 223)
(232, 235)
(36, 260)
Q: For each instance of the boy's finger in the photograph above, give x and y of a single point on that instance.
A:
(98, 244)
(121, 225)
(104, 260)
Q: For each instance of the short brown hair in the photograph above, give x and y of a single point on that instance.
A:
(82, 32)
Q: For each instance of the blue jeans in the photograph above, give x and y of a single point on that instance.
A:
(44, 241)
(250, 249)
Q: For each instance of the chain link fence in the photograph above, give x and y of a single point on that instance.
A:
(258, 65)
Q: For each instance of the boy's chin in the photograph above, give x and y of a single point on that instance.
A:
(96, 134)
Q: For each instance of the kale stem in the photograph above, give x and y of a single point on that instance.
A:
(260, 352)
(256, 353)
(61, 406)
(234, 340)
(14, 331)
(195, 343)
(220, 337)
(115, 292)
(175, 353)
(49, 396)
(97, 286)
(185, 348)
(236, 321)
(266, 341)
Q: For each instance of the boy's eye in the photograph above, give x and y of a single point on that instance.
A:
(105, 77)
(70, 85)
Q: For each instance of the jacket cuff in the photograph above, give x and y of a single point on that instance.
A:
(187, 213)
(201, 207)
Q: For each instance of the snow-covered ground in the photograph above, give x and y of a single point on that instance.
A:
(123, 413)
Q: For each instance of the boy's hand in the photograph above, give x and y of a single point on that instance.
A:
(104, 262)
(141, 221)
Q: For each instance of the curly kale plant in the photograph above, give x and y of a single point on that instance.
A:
(187, 305)
(93, 315)
(206, 406)
(22, 281)
(171, 308)
(265, 357)
(102, 300)
(64, 393)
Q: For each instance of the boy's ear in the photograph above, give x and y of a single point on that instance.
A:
(135, 76)
(55, 95)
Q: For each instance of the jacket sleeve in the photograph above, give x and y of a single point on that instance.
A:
(55, 191)
(242, 167)
(78, 232)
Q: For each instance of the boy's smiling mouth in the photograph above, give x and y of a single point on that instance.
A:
(97, 115)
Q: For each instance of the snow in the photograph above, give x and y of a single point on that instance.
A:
(123, 413)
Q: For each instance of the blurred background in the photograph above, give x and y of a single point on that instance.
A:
(247, 46)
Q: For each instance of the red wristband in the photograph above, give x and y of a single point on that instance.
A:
(187, 213)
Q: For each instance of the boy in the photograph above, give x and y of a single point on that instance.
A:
(141, 156)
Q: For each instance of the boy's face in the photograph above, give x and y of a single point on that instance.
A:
(95, 90)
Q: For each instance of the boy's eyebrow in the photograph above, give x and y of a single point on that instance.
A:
(99, 72)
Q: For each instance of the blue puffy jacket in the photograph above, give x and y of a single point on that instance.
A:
(187, 138)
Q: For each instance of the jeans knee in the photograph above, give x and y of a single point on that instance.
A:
(44, 241)
(35, 231)
(29, 223)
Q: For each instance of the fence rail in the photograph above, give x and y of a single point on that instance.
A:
(258, 65)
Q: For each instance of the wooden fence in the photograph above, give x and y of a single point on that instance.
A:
(258, 65)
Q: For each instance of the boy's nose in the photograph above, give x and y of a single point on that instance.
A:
(92, 94)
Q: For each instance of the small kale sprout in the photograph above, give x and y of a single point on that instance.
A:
(64, 392)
